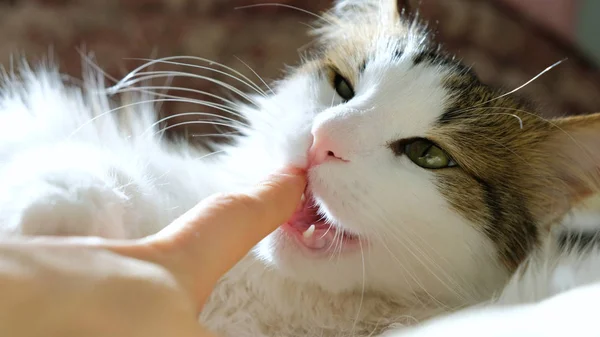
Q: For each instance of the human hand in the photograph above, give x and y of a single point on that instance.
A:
(154, 286)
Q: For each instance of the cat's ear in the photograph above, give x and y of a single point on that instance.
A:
(386, 10)
(573, 149)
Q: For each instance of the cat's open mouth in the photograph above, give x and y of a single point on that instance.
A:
(311, 230)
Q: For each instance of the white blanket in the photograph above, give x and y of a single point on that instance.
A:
(569, 314)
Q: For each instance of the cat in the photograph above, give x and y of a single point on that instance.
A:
(427, 188)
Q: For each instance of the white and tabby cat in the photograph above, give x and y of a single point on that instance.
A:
(427, 189)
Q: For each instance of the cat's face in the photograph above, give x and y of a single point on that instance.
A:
(422, 182)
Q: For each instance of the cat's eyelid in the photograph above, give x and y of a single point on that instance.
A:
(399, 148)
(335, 71)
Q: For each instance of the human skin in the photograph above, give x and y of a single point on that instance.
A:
(154, 286)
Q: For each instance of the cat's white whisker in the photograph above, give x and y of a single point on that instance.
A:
(406, 272)
(144, 76)
(161, 98)
(149, 89)
(431, 266)
(531, 114)
(415, 234)
(85, 56)
(202, 114)
(320, 17)
(516, 89)
(397, 237)
(168, 60)
(108, 112)
(333, 245)
(216, 135)
(256, 74)
(528, 82)
(209, 155)
(362, 291)
(526, 162)
(217, 106)
(161, 131)
(232, 110)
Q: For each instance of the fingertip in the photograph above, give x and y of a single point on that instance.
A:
(288, 183)
(293, 170)
(289, 174)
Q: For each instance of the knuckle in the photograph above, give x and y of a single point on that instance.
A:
(241, 202)
(270, 184)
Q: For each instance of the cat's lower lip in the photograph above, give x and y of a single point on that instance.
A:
(310, 230)
(324, 240)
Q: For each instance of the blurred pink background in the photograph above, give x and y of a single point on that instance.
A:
(506, 41)
(558, 15)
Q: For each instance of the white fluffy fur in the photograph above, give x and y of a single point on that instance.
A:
(73, 163)
(554, 294)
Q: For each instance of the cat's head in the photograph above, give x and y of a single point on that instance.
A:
(424, 181)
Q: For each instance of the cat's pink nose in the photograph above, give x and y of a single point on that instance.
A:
(323, 150)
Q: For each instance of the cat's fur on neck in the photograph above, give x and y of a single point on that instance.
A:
(79, 161)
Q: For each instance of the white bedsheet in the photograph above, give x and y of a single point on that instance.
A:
(574, 313)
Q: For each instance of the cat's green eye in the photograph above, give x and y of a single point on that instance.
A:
(427, 155)
(342, 87)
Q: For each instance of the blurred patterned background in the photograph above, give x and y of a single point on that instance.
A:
(506, 41)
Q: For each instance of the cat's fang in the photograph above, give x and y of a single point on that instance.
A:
(309, 232)
(302, 198)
